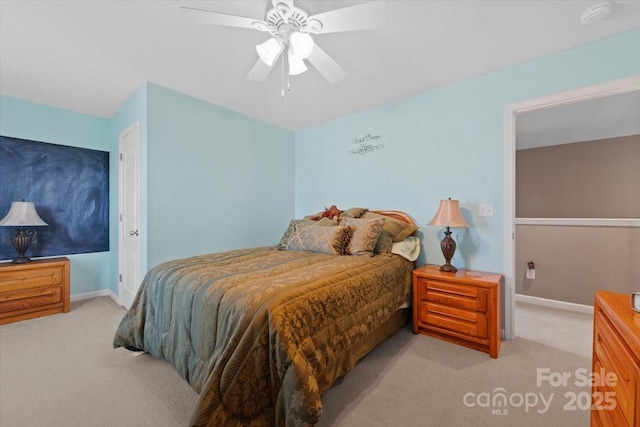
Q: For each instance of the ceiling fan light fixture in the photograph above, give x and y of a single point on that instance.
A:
(302, 44)
(269, 51)
(296, 65)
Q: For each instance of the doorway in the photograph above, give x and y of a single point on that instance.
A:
(583, 94)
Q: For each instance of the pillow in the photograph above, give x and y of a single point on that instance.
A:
(398, 230)
(409, 248)
(364, 235)
(384, 243)
(353, 213)
(324, 222)
(288, 232)
(315, 238)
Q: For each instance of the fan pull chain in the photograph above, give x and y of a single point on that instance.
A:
(282, 78)
(288, 74)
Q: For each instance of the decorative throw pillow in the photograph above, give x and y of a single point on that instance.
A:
(288, 232)
(384, 244)
(364, 235)
(315, 238)
(398, 230)
(324, 222)
(353, 213)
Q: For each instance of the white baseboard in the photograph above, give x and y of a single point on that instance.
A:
(95, 294)
(562, 305)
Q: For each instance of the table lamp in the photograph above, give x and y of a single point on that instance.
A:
(448, 215)
(22, 214)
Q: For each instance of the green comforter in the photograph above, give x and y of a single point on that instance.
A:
(261, 333)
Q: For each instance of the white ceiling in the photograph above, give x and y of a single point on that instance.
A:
(601, 118)
(90, 56)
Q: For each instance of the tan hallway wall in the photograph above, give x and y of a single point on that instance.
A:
(594, 179)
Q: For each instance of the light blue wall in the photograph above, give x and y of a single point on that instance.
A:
(214, 180)
(134, 110)
(217, 180)
(23, 119)
(211, 179)
(444, 143)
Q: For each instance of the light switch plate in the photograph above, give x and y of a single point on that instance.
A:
(486, 209)
(531, 273)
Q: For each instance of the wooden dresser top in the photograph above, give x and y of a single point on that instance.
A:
(460, 276)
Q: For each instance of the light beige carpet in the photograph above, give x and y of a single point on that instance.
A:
(62, 371)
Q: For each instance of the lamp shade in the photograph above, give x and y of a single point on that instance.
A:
(296, 65)
(22, 214)
(302, 44)
(449, 215)
(269, 51)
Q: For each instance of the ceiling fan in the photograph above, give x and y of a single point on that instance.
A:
(291, 27)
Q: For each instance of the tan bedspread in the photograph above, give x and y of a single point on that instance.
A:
(262, 333)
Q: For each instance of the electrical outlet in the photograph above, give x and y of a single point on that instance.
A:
(531, 273)
(486, 209)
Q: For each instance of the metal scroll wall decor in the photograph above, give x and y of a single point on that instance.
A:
(366, 143)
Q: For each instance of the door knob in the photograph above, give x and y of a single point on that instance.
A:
(133, 233)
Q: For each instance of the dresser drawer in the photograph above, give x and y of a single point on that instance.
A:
(612, 354)
(616, 350)
(611, 413)
(470, 323)
(450, 294)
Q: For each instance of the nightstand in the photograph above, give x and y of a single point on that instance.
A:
(461, 307)
(34, 289)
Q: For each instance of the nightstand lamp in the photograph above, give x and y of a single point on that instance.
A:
(448, 215)
(22, 214)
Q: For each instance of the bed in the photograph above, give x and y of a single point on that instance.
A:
(261, 333)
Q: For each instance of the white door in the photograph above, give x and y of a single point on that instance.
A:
(129, 210)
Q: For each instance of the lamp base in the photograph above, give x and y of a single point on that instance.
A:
(21, 242)
(448, 268)
(448, 246)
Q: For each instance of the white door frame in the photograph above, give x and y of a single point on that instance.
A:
(121, 193)
(627, 84)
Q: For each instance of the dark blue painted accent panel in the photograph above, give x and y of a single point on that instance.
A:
(70, 189)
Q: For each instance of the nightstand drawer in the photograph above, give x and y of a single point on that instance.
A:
(30, 298)
(34, 289)
(34, 278)
(465, 322)
(450, 294)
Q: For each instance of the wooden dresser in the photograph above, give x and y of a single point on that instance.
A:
(616, 350)
(34, 289)
(458, 307)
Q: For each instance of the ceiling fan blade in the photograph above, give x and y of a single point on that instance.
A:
(366, 16)
(259, 72)
(214, 18)
(326, 65)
